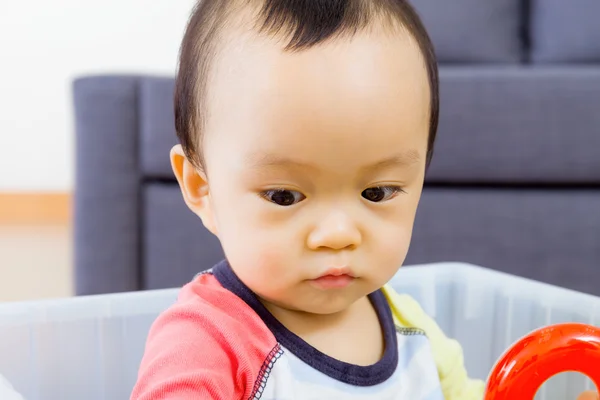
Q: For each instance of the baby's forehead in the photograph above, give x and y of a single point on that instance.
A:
(326, 105)
(370, 75)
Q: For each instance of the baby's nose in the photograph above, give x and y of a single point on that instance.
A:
(337, 231)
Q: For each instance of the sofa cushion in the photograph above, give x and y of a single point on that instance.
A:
(518, 125)
(474, 30)
(547, 235)
(565, 31)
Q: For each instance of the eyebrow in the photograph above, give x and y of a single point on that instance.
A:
(407, 158)
(268, 160)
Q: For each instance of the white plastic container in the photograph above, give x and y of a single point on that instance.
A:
(90, 347)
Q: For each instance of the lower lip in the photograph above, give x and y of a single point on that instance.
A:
(332, 282)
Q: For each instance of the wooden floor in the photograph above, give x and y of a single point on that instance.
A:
(35, 246)
(35, 262)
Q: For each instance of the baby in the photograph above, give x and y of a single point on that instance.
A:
(306, 127)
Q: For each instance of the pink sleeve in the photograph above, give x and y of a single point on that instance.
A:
(210, 345)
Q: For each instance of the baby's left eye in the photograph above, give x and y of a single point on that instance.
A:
(380, 193)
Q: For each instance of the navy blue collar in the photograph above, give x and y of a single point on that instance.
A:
(348, 373)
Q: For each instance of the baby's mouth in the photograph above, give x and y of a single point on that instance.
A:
(334, 278)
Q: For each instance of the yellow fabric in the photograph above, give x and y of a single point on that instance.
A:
(448, 354)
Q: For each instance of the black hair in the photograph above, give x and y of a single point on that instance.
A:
(304, 24)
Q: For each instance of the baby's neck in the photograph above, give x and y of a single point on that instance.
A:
(338, 334)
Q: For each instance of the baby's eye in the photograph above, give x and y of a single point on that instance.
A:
(283, 197)
(380, 193)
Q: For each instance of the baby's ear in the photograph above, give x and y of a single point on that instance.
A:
(194, 187)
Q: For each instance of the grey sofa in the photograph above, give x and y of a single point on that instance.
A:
(514, 184)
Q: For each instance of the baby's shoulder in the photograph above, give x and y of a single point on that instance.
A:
(210, 322)
(406, 311)
(206, 342)
(204, 307)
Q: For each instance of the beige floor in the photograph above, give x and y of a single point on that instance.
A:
(35, 262)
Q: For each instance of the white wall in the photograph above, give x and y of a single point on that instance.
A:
(44, 44)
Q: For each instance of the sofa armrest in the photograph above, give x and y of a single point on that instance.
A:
(107, 185)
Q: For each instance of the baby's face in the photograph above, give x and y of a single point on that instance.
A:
(315, 164)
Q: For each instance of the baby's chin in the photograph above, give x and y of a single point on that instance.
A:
(318, 305)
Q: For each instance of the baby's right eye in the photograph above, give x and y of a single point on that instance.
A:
(283, 197)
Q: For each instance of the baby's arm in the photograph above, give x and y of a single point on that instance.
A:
(448, 354)
(207, 346)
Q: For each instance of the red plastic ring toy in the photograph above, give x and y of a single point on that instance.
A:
(539, 356)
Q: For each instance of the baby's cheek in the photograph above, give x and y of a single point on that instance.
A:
(272, 261)
(261, 264)
(393, 247)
